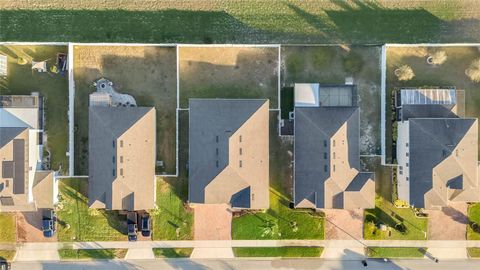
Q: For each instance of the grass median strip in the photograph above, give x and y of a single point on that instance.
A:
(283, 252)
(97, 254)
(473, 253)
(395, 252)
(172, 252)
(7, 255)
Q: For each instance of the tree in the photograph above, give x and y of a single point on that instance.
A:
(473, 71)
(437, 58)
(404, 73)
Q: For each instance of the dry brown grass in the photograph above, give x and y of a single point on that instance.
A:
(146, 73)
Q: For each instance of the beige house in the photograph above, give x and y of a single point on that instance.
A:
(327, 171)
(229, 152)
(24, 185)
(122, 153)
(437, 150)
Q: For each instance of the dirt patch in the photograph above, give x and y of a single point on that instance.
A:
(212, 222)
(343, 224)
(450, 223)
(228, 72)
(29, 228)
(147, 73)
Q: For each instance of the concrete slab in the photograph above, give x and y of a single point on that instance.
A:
(25, 255)
(343, 253)
(212, 253)
(450, 223)
(448, 253)
(139, 254)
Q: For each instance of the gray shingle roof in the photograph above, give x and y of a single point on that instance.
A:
(431, 141)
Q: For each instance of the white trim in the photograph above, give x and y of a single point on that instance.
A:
(432, 45)
(33, 43)
(126, 44)
(230, 45)
(279, 75)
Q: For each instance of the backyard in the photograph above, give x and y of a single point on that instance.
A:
(401, 223)
(451, 72)
(279, 221)
(473, 231)
(231, 21)
(78, 222)
(22, 80)
(228, 72)
(333, 65)
(147, 73)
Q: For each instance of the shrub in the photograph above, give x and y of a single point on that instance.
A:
(473, 71)
(437, 58)
(353, 63)
(404, 73)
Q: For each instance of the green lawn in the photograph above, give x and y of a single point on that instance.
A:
(8, 232)
(172, 220)
(231, 21)
(284, 252)
(96, 254)
(473, 217)
(395, 252)
(386, 213)
(7, 255)
(77, 222)
(172, 252)
(473, 252)
(279, 221)
(21, 80)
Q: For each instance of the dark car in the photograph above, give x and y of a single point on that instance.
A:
(49, 221)
(132, 226)
(4, 265)
(146, 225)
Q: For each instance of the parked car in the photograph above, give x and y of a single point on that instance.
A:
(4, 265)
(49, 221)
(132, 226)
(146, 225)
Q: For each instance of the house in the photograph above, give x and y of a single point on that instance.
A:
(437, 149)
(122, 153)
(327, 172)
(229, 152)
(24, 184)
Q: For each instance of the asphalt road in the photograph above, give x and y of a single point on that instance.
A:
(245, 264)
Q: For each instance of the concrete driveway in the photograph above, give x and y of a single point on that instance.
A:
(212, 222)
(29, 227)
(450, 223)
(343, 224)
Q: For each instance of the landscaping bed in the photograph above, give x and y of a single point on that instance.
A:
(228, 72)
(147, 73)
(93, 254)
(395, 252)
(77, 222)
(22, 80)
(283, 252)
(172, 252)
